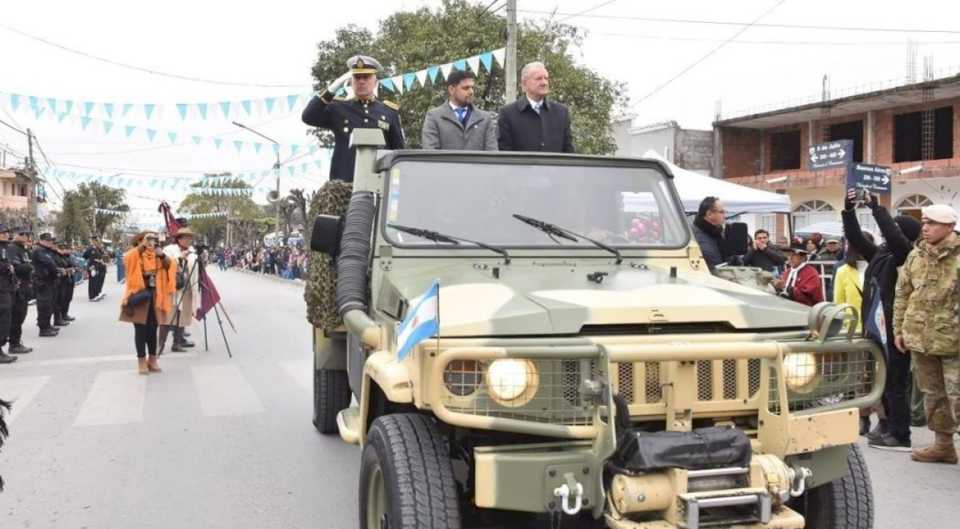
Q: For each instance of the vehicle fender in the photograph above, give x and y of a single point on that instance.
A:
(392, 378)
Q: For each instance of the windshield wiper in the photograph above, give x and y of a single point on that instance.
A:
(436, 236)
(564, 233)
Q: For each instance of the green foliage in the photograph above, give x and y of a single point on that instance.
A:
(77, 220)
(412, 40)
(242, 212)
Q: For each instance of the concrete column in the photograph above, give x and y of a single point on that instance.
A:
(869, 138)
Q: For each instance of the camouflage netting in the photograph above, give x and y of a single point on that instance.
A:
(320, 291)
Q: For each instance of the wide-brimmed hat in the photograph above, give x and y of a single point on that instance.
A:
(184, 232)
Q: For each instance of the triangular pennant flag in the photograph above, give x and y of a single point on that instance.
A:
(52, 104)
(151, 133)
(172, 136)
(499, 56)
(246, 104)
(67, 106)
(34, 102)
(422, 77)
(460, 64)
(197, 140)
(148, 109)
(108, 108)
(217, 142)
(293, 149)
(202, 109)
(84, 121)
(290, 169)
(107, 125)
(38, 111)
(486, 59)
(474, 63)
(182, 109)
(88, 107)
(445, 70)
(14, 101)
(257, 146)
(238, 144)
(225, 108)
(398, 83)
(269, 103)
(388, 84)
(61, 117)
(129, 130)
(292, 101)
(408, 79)
(303, 167)
(127, 107)
(432, 73)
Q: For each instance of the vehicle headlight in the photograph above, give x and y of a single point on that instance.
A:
(512, 382)
(800, 371)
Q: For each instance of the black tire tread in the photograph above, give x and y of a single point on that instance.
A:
(417, 471)
(331, 394)
(846, 503)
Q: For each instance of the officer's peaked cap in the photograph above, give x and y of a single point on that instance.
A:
(363, 64)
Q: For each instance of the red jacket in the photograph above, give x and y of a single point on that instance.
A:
(808, 289)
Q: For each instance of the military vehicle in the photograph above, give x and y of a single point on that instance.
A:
(588, 369)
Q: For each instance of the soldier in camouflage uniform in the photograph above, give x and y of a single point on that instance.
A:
(925, 325)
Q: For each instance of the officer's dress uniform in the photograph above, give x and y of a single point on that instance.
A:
(23, 270)
(65, 289)
(95, 257)
(8, 289)
(46, 274)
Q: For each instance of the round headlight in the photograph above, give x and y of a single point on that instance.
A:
(800, 371)
(512, 382)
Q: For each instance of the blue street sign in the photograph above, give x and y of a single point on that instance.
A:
(831, 154)
(873, 178)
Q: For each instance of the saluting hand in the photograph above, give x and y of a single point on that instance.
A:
(339, 83)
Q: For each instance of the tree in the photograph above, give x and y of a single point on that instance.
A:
(412, 40)
(301, 200)
(241, 211)
(79, 219)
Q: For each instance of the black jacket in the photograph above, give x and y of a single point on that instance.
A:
(8, 282)
(21, 260)
(45, 265)
(341, 117)
(523, 129)
(767, 259)
(883, 260)
(712, 245)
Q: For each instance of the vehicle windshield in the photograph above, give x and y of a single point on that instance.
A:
(619, 206)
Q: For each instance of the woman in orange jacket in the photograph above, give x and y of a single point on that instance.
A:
(150, 281)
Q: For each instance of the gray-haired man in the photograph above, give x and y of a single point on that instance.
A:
(534, 123)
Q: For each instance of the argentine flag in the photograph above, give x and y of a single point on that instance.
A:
(421, 322)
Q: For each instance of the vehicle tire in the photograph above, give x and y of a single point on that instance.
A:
(331, 393)
(843, 503)
(406, 478)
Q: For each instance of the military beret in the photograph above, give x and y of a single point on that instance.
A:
(941, 213)
(362, 64)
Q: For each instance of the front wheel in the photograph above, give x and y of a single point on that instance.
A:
(843, 503)
(406, 479)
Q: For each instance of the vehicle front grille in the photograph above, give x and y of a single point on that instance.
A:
(717, 380)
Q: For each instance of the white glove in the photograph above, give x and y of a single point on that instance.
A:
(337, 84)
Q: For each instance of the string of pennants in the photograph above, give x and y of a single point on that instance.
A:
(226, 191)
(113, 212)
(211, 215)
(106, 113)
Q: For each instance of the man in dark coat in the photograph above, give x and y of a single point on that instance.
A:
(708, 231)
(8, 289)
(457, 124)
(65, 286)
(762, 254)
(364, 111)
(23, 269)
(45, 277)
(96, 259)
(534, 123)
(879, 286)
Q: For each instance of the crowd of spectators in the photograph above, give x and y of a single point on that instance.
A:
(286, 261)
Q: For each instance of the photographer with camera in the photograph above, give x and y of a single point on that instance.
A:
(800, 282)
(186, 295)
(147, 295)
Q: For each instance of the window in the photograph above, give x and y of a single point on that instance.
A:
(912, 204)
(813, 212)
(914, 140)
(851, 130)
(785, 150)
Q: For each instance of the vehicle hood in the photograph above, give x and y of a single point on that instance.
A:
(542, 300)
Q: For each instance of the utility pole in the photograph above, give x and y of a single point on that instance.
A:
(511, 61)
(29, 149)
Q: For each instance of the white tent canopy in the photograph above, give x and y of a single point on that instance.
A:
(693, 187)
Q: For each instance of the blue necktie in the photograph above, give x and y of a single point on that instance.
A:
(462, 115)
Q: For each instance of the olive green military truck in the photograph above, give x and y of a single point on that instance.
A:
(588, 370)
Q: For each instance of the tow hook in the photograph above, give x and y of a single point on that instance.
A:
(799, 485)
(565, 491)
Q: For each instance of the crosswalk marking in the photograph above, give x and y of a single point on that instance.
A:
(116, 397)
(20, 391)
(91, 360)
(224, 391)
(301, 372)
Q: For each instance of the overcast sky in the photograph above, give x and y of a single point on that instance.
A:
(273, 44)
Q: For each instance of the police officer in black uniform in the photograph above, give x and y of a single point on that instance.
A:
(363, 111)
(45, 275)
(23, 269)
(8, 289)
(96, 259)
(65, 284)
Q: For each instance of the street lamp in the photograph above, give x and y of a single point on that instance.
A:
(276, 166)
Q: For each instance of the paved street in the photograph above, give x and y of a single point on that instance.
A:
(219, 443)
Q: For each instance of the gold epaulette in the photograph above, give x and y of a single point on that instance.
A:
(391, 104)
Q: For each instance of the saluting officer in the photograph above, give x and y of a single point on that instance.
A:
(46, 272)
(341, 115)
(19, 256)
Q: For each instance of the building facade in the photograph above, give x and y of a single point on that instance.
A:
(18, 194)
(913, 129)
(686, 148)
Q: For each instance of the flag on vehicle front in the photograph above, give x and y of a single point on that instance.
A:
(421, 323)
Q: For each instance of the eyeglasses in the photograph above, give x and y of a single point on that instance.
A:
(721, 211)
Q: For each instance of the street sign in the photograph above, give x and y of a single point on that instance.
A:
(830, 155)
(873, 178)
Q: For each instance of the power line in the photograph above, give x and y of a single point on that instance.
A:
(141, 68)
(706, 56)
(750, 24)
(12, 127)
(585, 11)
(774, 42)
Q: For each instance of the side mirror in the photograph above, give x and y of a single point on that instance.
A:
(325, 238)
(736, 238)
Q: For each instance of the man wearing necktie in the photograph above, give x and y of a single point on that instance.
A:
(457, 124)
(533, 122)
